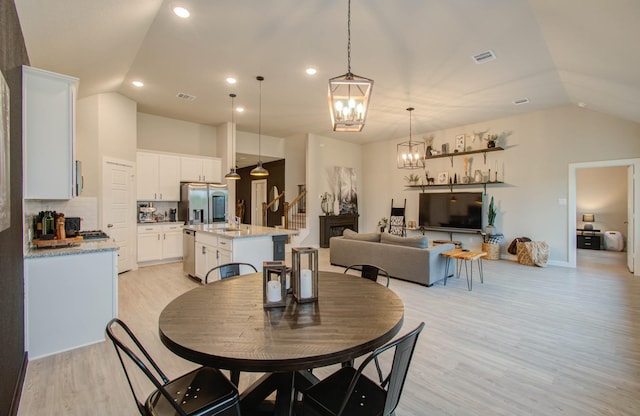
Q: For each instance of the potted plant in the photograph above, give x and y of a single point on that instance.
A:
(492, 140)
(412, 179)
(383, 223)
(491, 217)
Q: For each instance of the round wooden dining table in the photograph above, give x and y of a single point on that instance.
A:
(224, 325)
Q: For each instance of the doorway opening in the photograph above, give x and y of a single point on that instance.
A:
(258, 197)
(631, 166)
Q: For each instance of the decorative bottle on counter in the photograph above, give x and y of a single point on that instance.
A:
(60, 232)
(48, 225)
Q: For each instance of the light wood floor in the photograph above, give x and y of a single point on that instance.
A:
(530, 341)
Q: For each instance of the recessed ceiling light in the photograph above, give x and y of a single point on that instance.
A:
(138, 84)
(240, 109)
(181, 12)
(582, 104)
(311, 71)
(231, 80)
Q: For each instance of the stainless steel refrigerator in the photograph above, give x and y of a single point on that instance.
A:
(202, 203)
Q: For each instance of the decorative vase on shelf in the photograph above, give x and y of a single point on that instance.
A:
(324, 205)
(477, 176)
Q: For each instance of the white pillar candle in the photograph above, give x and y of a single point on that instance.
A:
(288, 281)
(273, 291)
(305, 283)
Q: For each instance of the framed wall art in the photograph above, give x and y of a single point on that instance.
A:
(460, 143)
(443, 178)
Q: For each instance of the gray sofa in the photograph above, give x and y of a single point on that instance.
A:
(406, 258)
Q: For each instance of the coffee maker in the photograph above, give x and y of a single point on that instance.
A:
(172, 214)
(145, 212)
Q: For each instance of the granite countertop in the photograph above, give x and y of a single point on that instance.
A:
(245, 231)
(88, 246)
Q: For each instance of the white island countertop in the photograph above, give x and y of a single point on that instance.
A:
(245, 231)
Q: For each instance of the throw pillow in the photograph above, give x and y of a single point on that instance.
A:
(418, 241)
(352, 235)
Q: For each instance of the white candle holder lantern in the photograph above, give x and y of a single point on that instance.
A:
(304, 274)
(274, 288)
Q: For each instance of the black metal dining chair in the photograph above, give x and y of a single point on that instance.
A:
(229, 270)
(369, 271)
(348, 392)
(203, 391)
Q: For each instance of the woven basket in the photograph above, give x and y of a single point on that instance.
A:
(492, 250)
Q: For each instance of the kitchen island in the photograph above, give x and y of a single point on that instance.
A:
(70, 295)
(217, 244)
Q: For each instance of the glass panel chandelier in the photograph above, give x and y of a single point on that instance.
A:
(259, 170)
(349, 94)
(233, 174)
(410, 153)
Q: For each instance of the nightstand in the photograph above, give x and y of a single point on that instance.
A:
(589, 239)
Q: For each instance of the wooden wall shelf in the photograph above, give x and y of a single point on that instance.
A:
(453, 185)
(468, 152)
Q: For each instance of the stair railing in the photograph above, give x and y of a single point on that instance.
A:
(295, 216)
(267, 205)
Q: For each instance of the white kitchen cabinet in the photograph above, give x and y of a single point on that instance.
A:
(48, 134)
(206, 259)
(149, 243)
(200, 169)
(211, 170)
(211, 251)
(159, 242)
(68, 300)
(158, 177)
(171, 241)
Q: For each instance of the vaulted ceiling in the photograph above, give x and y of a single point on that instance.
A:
(419, 53)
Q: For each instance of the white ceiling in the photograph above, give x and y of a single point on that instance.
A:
(418, 52)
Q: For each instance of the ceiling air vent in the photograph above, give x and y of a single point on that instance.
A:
(483, 57)
(185, 96)
(521, 101)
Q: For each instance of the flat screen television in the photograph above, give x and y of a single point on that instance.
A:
(452, 211)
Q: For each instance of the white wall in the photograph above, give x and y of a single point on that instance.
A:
(176, 136)
(106, 126)
(248, 143)
(323, 154)
(539, 148)
(602, 192)
(295, 155)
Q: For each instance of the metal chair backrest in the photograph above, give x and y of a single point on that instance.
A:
(123, 349)
(394, 381)
(369, 271)
(229, 270)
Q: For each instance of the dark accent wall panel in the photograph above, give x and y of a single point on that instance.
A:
(276, 178)
(13, 55)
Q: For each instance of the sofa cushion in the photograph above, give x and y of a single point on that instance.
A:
(352, 235)
(418, 241)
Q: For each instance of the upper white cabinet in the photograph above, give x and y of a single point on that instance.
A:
(158, 177)
(48, 134)
(200, 169)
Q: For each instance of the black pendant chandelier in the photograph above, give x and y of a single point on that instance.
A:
(410, 153)
(349, 94)
(259, 170)
(233, 174)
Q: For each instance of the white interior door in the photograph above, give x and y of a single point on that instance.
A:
(258, 196)
(631, 223)
(118, 209)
